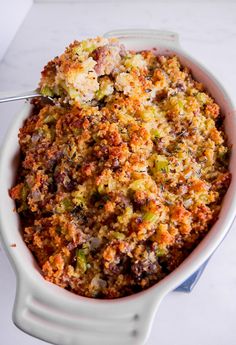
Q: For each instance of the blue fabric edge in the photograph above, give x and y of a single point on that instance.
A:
(188, 285)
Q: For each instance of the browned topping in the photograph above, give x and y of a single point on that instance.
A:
(122, 179)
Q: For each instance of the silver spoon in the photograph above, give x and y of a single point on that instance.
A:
(23, 95)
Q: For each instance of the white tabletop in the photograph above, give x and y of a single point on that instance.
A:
(208, 314)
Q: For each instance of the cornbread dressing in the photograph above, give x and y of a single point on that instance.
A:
(122, 177)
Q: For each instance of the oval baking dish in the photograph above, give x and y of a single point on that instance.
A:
(58, 316)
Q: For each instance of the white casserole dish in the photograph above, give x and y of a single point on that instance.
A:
(58, 316)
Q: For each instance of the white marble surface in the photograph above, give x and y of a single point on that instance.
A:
(12, 14)
(207, 31)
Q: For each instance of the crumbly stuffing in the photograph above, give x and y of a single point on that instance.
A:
(122, 177)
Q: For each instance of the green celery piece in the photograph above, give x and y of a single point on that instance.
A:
(49, 119)
(150, 217)
(81, 262)
(160, 252)
(155, 133)
(181, 104)
(100, 94)
(46, 91)
(162, 165)
(24, 194)
(68, 205)
(119, 235)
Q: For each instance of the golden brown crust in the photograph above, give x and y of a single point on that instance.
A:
(114, 195)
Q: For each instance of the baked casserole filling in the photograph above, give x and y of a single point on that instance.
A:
(123, 175)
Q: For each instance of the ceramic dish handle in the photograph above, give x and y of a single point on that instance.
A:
(160, 37)
(77, 320)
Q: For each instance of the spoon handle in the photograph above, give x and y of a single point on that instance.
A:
(22, 95)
